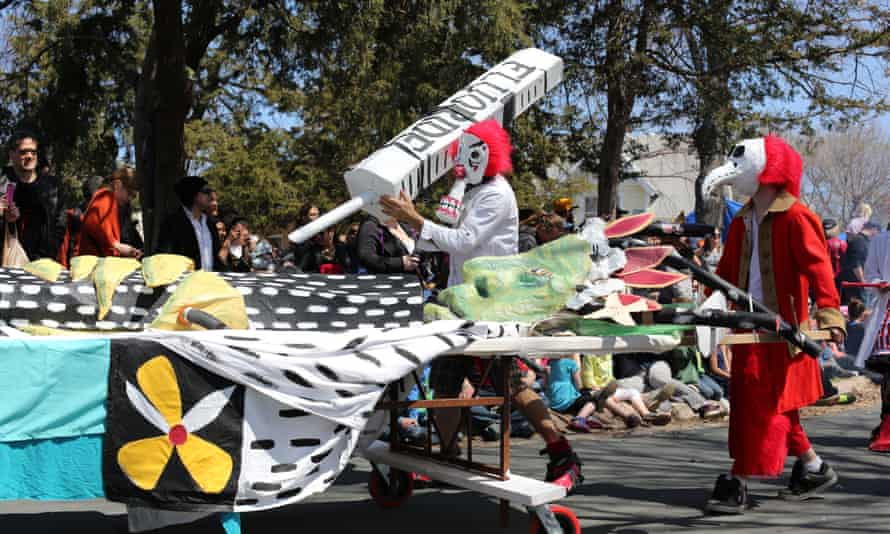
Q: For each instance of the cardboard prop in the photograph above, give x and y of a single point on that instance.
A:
(418, 156)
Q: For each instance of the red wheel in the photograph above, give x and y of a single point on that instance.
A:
(564, 516)
(391, 494)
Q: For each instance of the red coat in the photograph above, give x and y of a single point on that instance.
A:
(101, 226)
(793, 261)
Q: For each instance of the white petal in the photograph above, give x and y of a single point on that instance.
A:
(206, 409)
(146, 408)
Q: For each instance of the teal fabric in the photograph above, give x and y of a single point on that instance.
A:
(561, 384)
(52, 388)
(52, 469)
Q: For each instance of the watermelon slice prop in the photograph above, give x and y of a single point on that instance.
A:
(629, 225)
(639, 258)
(652, 279)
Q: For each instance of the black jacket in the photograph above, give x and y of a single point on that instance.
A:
(41, 224)
(378, 250)
(178, 237)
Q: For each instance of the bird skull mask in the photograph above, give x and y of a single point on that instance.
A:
(747, 161)
(471, 159)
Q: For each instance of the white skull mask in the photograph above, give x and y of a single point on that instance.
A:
(471, 159)
(746, 162)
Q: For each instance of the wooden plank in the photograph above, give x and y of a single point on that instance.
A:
(520, 490)
(440, 403)
(567, 345)
(768, 337)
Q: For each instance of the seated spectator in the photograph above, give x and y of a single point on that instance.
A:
(528, 238)
(563, 390)
(719, 367)
(107, 228)
(596, 376)
(549, 228)
(855, 326)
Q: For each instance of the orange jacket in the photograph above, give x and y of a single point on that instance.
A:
(101, 227)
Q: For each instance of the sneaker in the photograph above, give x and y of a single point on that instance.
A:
(730, 496)
(805, 484)
(564, 469)
(632, 421)
(579, 424)
(663, 395)
(880, 437)
(657, 419)
(837, 399)
(490, 433)
(594, 423)
(711, 411)
(603, 395)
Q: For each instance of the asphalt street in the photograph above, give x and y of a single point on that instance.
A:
(644, 482)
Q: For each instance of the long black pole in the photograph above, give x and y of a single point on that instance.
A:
(783, 328)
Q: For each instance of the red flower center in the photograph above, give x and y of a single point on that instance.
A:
(177, 435)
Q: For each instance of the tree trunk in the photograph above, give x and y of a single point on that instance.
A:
(161, 106)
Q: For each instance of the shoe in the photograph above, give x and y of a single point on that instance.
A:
(880, 437)
(564, 469)
(805, 484)
(730, 496)
(657, 419)
(490, 433)
(603, 395)
(711, 411)
(837, 399)
(663, 395)
(594, 423)
(632, 421)
(579, 424)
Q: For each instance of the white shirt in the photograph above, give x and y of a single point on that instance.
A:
(205, 240)
(877, 269)
(488, 226)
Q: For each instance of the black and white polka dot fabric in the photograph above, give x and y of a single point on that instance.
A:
(308, 302)
(310, 396)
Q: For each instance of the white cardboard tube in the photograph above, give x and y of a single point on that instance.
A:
(330, 218)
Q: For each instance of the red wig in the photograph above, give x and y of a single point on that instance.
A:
(498, 141)
(784, 167)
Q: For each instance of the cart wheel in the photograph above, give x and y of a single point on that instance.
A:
(399, 488)
(564, 516)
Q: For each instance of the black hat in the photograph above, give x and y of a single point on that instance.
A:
(830, 227)
(189, 187)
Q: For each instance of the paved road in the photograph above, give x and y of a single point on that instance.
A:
(647, 482)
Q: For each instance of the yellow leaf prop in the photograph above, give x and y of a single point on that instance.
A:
(207, 292)
(109, 273)
(164, 269)
(44, 268)
(82, 267)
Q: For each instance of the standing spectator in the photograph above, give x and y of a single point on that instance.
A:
(837, 249)
(187, 230)
(40, 222)
(852, 265)
(385, 248)
(74, 219)
(310, 255)
(712, 250)
(108, 228)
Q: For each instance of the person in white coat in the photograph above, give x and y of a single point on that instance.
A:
(483, 206)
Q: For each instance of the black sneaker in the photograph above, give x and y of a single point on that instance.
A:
(805, 484)
(730, 496)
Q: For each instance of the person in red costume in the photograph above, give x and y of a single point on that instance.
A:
(775, 250)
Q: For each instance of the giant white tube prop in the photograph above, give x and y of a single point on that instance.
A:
(418, 156)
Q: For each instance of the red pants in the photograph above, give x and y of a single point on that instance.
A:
(760, 442)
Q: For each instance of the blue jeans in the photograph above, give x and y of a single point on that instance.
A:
(709, 388)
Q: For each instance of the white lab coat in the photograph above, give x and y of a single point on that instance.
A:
(488, 226)
(877, 269)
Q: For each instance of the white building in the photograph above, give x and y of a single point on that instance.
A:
(665, 183)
